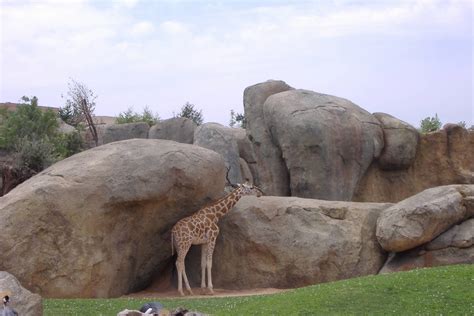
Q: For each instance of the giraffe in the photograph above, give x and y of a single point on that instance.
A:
(201, 229)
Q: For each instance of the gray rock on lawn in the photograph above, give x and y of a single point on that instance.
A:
(221, 139)
(21, 300)
(421, 258)
(117, 132)
(327, 142)
(97, 223)
(459, 236)
(287, 242)
(270, 172)
(179, 129)
(422, 217)
(455, 246)
(401, 142)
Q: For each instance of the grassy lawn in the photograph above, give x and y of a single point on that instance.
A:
(443, 290)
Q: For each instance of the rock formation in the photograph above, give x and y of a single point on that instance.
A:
(179, 129)
(97, 224)
(400, 143)
(429, 229)
(288, 242)
(443, 157)
(220, 139)
(422, 217)
(327, 143)
(272, 175)
(117, 132)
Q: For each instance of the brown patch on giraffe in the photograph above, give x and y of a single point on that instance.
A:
(212, 217)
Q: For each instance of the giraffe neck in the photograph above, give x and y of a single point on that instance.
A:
(227, 203)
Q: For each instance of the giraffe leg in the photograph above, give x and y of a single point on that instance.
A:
(186, 282)
(203, 265)
(180, 268)
(182, 251)
(210, 251)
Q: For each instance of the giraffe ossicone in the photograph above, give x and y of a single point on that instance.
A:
(201, 229)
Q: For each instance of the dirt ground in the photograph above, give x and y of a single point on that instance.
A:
(199, 293)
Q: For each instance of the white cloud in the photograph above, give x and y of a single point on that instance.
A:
(142, 28)
(174, 27)
(55, 40)
(126, 3)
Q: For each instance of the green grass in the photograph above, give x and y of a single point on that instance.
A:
(437, 291)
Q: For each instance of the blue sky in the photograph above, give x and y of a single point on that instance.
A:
(411, 59)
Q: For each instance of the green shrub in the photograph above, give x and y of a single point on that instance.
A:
(430, 124)
(237, 119)
(188, 111)
(131, 116)
(69, 144)
(34, 154)
(27, 122)
(32, 137)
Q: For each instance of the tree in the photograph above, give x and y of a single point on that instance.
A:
(80, 107)
(237, 119)
(27, 122)
(130, 116)
(31, 138)
(463, 124)
(430, 124)
(188, 111)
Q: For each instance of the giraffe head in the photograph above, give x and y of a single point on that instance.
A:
(249, 189)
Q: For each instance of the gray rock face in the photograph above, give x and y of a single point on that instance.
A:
(421, 258)
(443, 158)
(97, 224)
(401, 142)
(179, 129)
(422, 217)
(287, 242)
(21, 300)
(220, 139)
(271, 173)
(245, 171)
(327, 142)
(455, 246)
(459, 236)
(116, 132)
(246, 151)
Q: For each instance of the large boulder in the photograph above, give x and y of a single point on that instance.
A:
(271, 173)
(21, 300)
(455, 246)
(442, 158)
(420, 258)
(422, 217)
(460, 236)
(97, 224)
(245, 171)
(246, 151)
(116, 132)
(179, 129)
(400, 143)
(327, 142)
(221, 139)
(287, 242)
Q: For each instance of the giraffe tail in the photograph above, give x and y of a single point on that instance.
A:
(172, 245)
